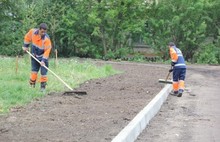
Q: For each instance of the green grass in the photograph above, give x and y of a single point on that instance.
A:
(15, 90)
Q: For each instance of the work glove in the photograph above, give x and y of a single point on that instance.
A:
(171, 70)
(25, 49)
(42, 63)
(173, 63)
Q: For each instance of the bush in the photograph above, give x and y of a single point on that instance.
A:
(120, 53)
(207, 55)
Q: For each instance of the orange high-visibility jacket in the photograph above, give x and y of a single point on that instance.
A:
(177, 57)
(41, 45)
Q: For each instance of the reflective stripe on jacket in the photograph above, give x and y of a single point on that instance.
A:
(41, 46)
(177, 57)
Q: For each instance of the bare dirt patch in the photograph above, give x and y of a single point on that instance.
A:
(97, 117)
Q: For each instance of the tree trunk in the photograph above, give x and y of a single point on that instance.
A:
(103, 41)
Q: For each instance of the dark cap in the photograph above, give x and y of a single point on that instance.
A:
(171, 44)
(43, 26)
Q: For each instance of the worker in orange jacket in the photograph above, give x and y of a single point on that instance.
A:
(178, 69)
(41, 47)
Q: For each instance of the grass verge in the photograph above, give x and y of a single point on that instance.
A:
(15, 90)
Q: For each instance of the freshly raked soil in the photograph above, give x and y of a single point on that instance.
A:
(97, 117)
(114, 101)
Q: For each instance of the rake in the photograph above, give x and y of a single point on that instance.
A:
(165, 80)
(66, 92)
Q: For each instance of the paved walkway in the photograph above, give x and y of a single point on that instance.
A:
(193, 118)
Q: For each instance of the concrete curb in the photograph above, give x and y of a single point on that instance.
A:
(140, 121)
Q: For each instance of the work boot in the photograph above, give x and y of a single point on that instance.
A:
(180, 93)
(174, 93)
(32, 83)
(43, 86)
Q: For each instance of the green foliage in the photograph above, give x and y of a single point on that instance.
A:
(208, 54)
(120, 53)
(138, 58)
(102, 29)
(185, 24)
(110, 55)
(10, 16)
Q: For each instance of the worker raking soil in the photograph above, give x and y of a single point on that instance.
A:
(40, 51)
(178, 67)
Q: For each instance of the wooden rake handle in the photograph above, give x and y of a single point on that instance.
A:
(50, 71)
(168, 74)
